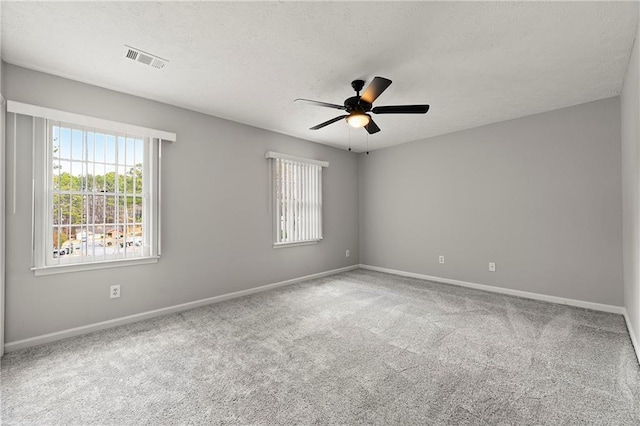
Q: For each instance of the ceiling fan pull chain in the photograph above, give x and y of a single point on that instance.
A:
(367, 143)
(349, 139)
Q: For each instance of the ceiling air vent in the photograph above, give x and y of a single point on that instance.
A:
(132, 54)
(144, 57)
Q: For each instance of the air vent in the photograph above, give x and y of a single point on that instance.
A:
(157, 63)
(144, 57)
(132, 54)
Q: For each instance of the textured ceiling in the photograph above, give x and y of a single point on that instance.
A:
(474, 62)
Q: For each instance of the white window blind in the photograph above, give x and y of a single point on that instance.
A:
(297, 188)
(96, 189)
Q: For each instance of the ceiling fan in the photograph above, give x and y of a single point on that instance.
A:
(358, 106)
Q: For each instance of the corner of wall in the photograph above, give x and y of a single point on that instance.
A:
(630, 132)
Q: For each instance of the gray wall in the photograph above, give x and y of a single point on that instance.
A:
(216, 230)
(539, 195)
(631, 187)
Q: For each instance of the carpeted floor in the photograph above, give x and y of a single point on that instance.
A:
(356, 348)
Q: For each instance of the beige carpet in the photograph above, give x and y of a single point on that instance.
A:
(356, 348)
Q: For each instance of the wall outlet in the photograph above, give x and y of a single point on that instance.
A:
(347, 253)
(114, 292)
(492, 266)
(440, 259)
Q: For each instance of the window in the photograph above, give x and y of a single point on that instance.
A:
(96, 190)
(297, 189)
(98, 187)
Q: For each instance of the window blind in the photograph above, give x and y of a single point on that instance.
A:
(297, 185)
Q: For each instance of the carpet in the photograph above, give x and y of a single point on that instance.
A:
(360, 347)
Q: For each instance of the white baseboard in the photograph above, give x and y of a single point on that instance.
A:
(71, 332)
(536, 296)
(632, 334)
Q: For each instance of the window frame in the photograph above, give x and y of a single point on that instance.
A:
(44, 262)
(41, 196)
(277, 220)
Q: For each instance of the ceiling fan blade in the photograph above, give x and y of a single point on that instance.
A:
(323, 104)
(372, 127)
(401, 109)
(375, 89)
(326, 123)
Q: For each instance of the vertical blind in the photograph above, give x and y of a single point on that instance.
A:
(297, 185)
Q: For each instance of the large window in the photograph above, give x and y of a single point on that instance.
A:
(297, 189)
(98, 187)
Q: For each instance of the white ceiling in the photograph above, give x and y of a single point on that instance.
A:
(474, 63)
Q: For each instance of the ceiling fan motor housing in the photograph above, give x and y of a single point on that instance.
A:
(355, 104)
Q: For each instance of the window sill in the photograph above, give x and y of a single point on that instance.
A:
(294, 244)
(78, 267)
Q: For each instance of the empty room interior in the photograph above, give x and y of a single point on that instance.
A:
(320, 213)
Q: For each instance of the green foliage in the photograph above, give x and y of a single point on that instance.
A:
(96, 199)
(63, 237)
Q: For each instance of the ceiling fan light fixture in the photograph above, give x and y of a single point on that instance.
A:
(358, 119)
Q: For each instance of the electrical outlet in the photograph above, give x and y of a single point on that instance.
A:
(114, 292)
(492, 266)
(347, 253)
(440, 259)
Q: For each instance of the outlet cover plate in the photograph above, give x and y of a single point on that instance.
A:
(114, 291)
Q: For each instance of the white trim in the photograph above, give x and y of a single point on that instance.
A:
(630, 329)
(3, 131)
(271, 154)
(296, 243)
(89, 266)
(157, 223)
(85, 120)
(71, 332)
(14, 179)
(519, 293)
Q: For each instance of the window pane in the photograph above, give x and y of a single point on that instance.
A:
(60, 236)
(76, 210)
(77, 151)
(136, 179)
(128, 180)
(110, 152)
(131, 149)
(109, 179)
(99, 147)
(97, 191)
(75, 177)
(90, 144)
(64, 143)
(110, 209)
(122, 150)
(122, 178)
(61, 209)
